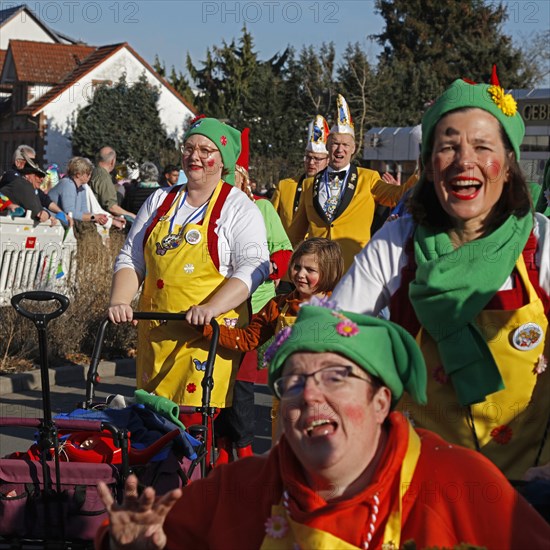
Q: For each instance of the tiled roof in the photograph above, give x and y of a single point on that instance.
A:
(96, 58)
(2, 58)
(99, 55)
(43, 63)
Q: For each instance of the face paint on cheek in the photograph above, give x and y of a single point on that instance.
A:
(210, 163)
(354, 414)
(493, 170)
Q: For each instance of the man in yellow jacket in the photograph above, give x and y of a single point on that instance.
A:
(338, 203)
(287, 194)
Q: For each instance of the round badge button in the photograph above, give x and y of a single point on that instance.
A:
(193, 236)
(527, 336)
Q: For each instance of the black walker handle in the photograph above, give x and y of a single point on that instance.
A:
(40, 319)
(47, 430)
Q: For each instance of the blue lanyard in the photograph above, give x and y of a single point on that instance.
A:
(193, 216)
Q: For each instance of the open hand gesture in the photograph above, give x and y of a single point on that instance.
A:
(138, 522)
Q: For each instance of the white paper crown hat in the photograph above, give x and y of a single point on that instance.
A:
(344, 124)
(317, 135)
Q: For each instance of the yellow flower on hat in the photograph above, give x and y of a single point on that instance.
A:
(505, 102)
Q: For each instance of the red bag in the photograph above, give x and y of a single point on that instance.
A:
(28, 510)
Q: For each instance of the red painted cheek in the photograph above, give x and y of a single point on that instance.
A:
(493, 170)
(354, 413)
(210, 163)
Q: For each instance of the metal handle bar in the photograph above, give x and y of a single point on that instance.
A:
(40, 296)
(92, 377)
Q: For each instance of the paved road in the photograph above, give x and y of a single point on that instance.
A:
(66, 394)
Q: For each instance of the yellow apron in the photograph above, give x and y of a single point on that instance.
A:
(171, 355)
(284, 533)
(509, 425)
(283, 321)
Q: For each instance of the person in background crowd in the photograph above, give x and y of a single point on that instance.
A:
(235, 424)
(138, 192)
(25, 190)
(348, 472)
(23, 155)
(339, 202)
(468, 274)
(102, 184)
(170, 175)
(20, 157)
(200, 248)
(70, 192)
(286, 196)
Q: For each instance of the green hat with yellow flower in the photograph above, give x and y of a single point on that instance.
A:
(226, 138)
(381, 348)
(489, 97)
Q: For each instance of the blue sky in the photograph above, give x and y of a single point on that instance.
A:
(173, 28)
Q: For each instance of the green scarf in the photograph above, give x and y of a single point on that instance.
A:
(452, 287)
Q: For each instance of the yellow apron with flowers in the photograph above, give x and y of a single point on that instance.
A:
(172, 355)
(283, 321)
(509, 425)
(283, 533)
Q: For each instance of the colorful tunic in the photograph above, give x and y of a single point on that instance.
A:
(454, 496)
(352, 219)
(509, 426)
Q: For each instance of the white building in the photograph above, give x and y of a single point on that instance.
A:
(44, 81)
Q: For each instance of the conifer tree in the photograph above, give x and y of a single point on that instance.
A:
(427, 44)
(125, 117)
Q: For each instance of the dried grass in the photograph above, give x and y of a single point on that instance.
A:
(72, 335)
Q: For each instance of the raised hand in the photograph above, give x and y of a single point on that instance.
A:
(138, 522)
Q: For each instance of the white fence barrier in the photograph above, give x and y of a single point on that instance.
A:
(35, 257)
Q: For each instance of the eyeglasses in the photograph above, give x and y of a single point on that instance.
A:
(204, 152)
(315, 160)
(329, 379)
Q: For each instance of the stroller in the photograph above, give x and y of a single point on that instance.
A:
(203, 432)
(48, 495)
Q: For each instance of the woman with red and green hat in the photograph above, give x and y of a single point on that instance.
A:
(200, 248)
(468, 274)
(348, 472)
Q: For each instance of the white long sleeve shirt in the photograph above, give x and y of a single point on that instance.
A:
(375, 275)
(242, 240)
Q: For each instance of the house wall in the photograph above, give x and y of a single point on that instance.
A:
(61, 112)
(23, 27)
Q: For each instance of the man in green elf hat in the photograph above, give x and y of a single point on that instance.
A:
(347, 472)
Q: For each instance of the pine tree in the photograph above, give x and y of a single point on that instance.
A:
(176, 79)
(125, 117)
(427, 44)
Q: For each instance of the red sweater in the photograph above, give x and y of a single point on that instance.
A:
(456, 496)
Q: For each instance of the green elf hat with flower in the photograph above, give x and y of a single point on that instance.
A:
(226, 138)
(381, 348)
(317, 135)
(344, 123)
(489, 97)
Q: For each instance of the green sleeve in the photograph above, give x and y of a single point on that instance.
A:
(277, 239)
